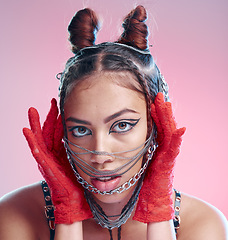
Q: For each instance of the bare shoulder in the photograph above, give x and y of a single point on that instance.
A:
(201, 221)
(22, 214)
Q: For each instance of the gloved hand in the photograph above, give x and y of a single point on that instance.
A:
(47, 148)
(155, 202)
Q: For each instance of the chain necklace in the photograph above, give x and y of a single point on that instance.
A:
(131, 182)
(108, 221)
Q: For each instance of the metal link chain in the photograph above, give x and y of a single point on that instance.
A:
(131, 182)
(108, 221)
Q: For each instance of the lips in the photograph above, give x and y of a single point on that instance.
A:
(106, 183)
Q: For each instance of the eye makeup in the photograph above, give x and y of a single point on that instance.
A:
(80, 131)
(123, 125)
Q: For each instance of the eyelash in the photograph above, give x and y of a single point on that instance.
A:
(130, 123)
(77, 128)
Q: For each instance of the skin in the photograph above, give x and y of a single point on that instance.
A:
(22, 211)
(105, 133)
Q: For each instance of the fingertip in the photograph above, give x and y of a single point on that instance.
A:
(184, 129)
(160, 97)
(54, 108)
(27, 134)
(32, 111)
(180, 132)
(25, 130)
(33, 116)
(54, 101)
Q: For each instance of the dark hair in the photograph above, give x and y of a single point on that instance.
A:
(129, 54)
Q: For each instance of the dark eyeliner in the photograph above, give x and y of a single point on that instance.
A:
(71, 129)
(131, 122)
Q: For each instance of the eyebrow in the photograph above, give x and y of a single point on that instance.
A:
(106, 120)
(76, 120)
(117, 114)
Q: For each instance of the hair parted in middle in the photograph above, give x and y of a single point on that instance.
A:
(129, 54)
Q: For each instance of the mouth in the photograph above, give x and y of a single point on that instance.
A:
(106, 183)
(105, 179)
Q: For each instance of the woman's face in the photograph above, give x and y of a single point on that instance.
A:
(102, 115)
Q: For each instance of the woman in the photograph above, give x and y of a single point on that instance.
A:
(120, 144)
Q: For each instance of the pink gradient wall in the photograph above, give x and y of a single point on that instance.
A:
(189, 41)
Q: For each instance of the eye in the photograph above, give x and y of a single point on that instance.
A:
(123, 126)
(80, 131)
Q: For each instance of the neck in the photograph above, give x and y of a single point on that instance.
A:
(114, 214)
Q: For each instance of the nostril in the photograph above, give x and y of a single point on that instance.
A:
(101, 158)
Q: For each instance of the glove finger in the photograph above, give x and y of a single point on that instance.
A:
(58, 135)
(162, 114)
(165, 115)
(159, 99)
(45, 162)
(155, 118)
(48, 128)
(34, 121)
(175, 143)
(169, 111)
(167, 121)
(34, 146)
(180, 132)
(164, 109)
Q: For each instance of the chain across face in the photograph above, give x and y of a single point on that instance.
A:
(76, 161)
(106, 134)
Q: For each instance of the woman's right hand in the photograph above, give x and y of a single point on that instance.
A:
(47, 148)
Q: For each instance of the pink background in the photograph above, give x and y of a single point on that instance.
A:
(190, 46)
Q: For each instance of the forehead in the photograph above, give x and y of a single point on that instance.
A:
(105, 93)
(122, 78)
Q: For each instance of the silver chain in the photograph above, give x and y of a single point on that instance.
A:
(131, 182)
(95, 173)
(108, 221)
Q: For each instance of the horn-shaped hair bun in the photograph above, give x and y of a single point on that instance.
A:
(82, 29)
(135, 30)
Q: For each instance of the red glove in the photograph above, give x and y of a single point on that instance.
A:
(155, 202)
(47, 148)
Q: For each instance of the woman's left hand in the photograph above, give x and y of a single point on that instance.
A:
(155, 202)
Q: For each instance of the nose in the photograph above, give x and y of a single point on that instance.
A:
(101, 149)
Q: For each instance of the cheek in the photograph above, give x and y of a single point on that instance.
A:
(135, 138)
(80, 145)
